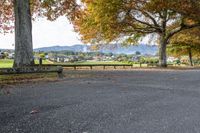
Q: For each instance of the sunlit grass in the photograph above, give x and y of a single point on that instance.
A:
(93, 62)
(8, 63)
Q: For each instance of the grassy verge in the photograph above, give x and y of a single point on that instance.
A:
(23, 78)
(8, 63)
(92, 63)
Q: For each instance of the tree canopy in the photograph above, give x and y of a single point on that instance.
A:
(129, 20)
(51, 9)
(185, 43)
(18, 15)
(100, 21)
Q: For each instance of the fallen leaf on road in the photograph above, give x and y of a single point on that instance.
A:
(34, 111)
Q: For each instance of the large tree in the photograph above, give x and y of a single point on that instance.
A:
(21, 13)
(113, 20)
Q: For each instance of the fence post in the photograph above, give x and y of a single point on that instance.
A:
(40, 61)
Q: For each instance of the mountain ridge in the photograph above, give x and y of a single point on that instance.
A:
(112, 48)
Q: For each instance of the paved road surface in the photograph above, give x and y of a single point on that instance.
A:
(106, 102)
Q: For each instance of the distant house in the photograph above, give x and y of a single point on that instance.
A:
(11, 55)
(46, 56)
(67, 59)
(1, 55)
(136, 58)
(171, 59)
(73, 58)
(52, 58)
(97, 58)
(60, 58)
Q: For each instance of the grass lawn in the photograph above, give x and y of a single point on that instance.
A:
(93, 62)
(8, 63)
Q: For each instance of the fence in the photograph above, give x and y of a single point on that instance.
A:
(75, 66)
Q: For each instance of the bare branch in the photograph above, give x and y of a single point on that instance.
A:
(152, 18)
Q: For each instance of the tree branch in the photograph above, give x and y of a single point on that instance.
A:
(181, 28)
(147, 24)
(153, 19)
(140, 30)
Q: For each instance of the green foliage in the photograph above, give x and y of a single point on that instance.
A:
(149, 60)
(4, 55)
(129, 21)
(184, 43)
(42, 55)
(137, 53)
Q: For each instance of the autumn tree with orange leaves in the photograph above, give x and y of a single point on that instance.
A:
(185, 43)
(104, 21)
(18, 14)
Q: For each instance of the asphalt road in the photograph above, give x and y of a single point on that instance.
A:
(105, 102)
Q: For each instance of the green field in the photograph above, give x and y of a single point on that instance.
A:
(93, 62)
(102, 63)
(8, 63)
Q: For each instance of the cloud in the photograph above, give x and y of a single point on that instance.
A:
(47, 33)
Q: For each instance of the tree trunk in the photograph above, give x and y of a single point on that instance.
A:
(162, 53)
(23, 34)
(190, 57)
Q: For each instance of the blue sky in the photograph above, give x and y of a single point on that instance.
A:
(47, 33)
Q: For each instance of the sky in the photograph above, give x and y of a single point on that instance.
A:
(47, 33)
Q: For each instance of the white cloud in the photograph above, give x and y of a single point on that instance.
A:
(7, 41)
(47, 33)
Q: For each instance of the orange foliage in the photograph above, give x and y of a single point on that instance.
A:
(51, 9)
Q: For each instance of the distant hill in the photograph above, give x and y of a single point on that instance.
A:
(119, 49)
(10, 50)
(113, 48)
(75, 48)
